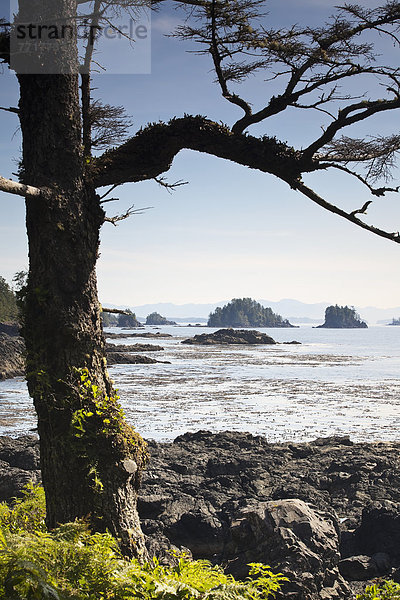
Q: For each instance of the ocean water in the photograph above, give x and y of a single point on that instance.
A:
(337, 382)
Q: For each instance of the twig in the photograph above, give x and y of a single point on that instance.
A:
(126, 215)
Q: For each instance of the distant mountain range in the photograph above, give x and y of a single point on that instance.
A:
(294, 310)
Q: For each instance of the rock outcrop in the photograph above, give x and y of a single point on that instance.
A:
(321, 512)
(12, 353)
(120, 336)
(19, 464)
(231, 336)
(122, 358)
(12, 356)
(133, 348)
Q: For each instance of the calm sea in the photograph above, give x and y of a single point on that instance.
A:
(344, 382)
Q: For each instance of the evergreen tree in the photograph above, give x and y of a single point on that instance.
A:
(8, 302)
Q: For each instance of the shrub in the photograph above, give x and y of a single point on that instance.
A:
(386, 590)
(72, 563)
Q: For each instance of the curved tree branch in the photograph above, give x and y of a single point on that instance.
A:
(136, 160)
(394, 236)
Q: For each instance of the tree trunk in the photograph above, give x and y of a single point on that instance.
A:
(91, 460)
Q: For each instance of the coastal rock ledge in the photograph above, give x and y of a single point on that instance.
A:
(231, 336)
(325, 513)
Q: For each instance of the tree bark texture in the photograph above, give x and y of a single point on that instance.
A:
(91, 460)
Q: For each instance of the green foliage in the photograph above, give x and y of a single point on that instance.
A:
(245, 312)
(386, 590)
(8, 302)
(102, 417)
(27, 513)
(72, 563)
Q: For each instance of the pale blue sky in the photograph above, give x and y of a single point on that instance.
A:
(231, 231)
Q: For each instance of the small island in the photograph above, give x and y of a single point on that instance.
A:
(155, 318)
(114, 318)
(231, 336)
(342, 317)
(245, 312)
(395, 321)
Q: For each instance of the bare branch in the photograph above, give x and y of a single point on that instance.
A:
(20, 189)
(112, 188)
(360, 110)
(115, 311)
(11, 109)
(394, 236)
(381, 191)
(170, 187)
(126, 215)
(217, 59)
(362, 210)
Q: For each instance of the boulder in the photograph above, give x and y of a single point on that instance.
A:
(19, 464)
(358, 568)
(379, 531)
(233, 497)
(231, 336)
(295, 539)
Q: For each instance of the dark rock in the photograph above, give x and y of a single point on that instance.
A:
(298, 540)
(119, 358)
(10, 328)
(382, 562)
(231, 336)
(132, 348)
(293, 342)
(358, 568)
(19, 464)
(121, 336)
(12, 359)
(380, 529)
(214, 494)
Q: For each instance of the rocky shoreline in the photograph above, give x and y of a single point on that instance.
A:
(12, 351)
(326, 513)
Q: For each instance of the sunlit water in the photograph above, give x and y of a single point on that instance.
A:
(336, 382)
